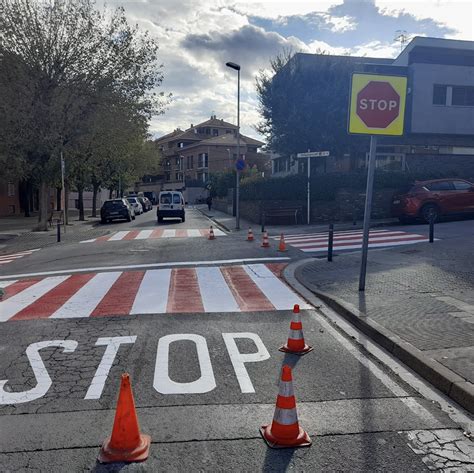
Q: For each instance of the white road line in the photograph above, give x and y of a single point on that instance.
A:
(144, 234)
(143, 266)
(23, 299)
(168, 233)
(194, 233)
(5, 261)
(218, 232)
(215, 293)
(372, 238)
(152, 295)
(88, 241)
(371, 245)
(278, 293)
(350, 237)
(86, 299)
(322, 234)
(118, 236)
(4, 284)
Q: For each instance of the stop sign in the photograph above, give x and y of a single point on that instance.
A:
(378, 104)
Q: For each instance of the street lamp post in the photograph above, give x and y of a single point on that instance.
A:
(236, 67)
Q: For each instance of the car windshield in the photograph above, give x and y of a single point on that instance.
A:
(113, 203)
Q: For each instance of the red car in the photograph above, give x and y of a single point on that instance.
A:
(437, 197)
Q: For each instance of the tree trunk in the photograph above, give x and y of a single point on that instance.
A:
(110, 193)
(43, 207)
(95, 190)
(58, 198)
(80, 198)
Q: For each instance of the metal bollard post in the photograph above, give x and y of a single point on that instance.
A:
(263, 221)
(330, 241)
(431, 229)
(58, 239)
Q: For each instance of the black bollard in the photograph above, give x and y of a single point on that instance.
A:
(330, 241)
(59, 232)
(431, 228)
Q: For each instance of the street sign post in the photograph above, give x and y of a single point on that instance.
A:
(377, 107)
(308, 156)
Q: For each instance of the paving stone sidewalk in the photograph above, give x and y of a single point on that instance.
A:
(423, 295)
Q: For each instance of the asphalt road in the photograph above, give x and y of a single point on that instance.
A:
(204, 380)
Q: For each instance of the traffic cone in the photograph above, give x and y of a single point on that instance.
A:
(126, 444)
(250, 235)
(282, 245)
(265, 242)
(296, 343)
(285, 432)
(211, 234)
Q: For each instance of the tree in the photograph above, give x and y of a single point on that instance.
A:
(58, 57)
(304, 104)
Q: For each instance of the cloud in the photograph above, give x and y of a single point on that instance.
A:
(249, 46)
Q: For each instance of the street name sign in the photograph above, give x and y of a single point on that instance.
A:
(313, 154)
(377, 104)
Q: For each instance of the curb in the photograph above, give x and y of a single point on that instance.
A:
(448, 382)
(217, 223)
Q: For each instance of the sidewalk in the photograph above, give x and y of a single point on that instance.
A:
(16, 232)
(418, 304)
(227, 222)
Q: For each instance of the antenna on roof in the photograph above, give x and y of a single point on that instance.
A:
(402, 38)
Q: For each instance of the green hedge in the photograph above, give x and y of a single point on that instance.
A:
(325, 186)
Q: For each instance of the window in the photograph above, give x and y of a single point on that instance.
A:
(177, 161)
(181, 145)
(167, 164)
(463, 96)
(202, 160)
(228, 132)
(215, 132)
(165, 198)
(176, 199)
(439, 94)
(11, 189)
(190, 162)
(440, 186)
(179, 176)
(168, 176)
(461, 185)
(208, 131)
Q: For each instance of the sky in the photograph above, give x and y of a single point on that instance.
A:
(197, 37)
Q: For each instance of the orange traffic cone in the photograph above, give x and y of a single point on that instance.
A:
(126, 444)
(285, 431)
(250, 235)
(211, 234)
(282, 245)
(296, 343)
(265, 242)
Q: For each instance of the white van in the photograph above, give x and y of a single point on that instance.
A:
(170, 205)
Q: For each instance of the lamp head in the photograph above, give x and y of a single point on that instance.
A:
(233, 65)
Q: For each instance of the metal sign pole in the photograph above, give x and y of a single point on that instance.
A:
(309, 188)
(63, 191)
(367, 211)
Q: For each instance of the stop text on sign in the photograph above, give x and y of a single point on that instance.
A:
(377, 104)
(162, 381)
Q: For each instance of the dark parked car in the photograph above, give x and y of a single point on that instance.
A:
(434, 198)
(146, 204)
(151, 196)
(116, 209)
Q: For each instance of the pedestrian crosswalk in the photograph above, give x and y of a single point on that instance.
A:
(5, 259)
(237, 288)
(352, 240)
(156, 233)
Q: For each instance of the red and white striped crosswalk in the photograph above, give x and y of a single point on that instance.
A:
(242, 288)
(352, 240)
(5, 259)
(157, 233)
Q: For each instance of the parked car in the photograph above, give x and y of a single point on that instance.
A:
(170, 205)
(135, 203)
(151, 196)
(116, 209)
(146, 204)
(434, 198)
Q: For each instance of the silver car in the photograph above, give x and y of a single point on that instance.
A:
(135, 203)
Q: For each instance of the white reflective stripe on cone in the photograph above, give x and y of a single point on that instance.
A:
(286, 389)
(285, 416)
(296, 334)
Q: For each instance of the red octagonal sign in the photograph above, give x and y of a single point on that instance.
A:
(378, 104)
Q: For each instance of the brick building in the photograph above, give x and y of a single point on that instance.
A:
(189, 156)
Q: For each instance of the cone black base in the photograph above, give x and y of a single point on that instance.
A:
(304, 351)
(303, 439)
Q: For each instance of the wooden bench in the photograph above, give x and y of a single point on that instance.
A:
(56, 216)
(286, 212)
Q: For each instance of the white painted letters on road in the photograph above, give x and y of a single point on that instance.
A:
(163, 383)
(100, 377)
(43, 380)
(239, 359)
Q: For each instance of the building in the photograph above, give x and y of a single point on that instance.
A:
(189, 156)
(439, 115)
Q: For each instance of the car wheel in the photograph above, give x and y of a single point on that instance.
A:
(133, 217)
(183, 218)
(103, 220)
(160, 219)
(429, 211)
(129, 218)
